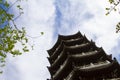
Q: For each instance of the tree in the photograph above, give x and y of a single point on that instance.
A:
(10, 35)
(114, 4)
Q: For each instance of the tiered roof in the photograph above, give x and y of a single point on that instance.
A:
(74, 57)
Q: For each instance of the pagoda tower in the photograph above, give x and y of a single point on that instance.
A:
(74, 57)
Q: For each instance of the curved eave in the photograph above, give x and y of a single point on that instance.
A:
(68, 61)
(88, 57)
(60, 71)
(114, 79)
(70, 76)
(66, 49)
(74, 41)
(64, 67)
(74, 57)
(60, 38)
(86, 38)
(109, 57)
(57, 52)
(71, 50)
(80, 48)
(56, 75)
(66, 43)
(57, 61)
(101, 69)
(51, 51)
(67, 37)
(51, 71)
(50, 61)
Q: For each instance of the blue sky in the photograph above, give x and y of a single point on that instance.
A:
(55, 17)
(5, 8)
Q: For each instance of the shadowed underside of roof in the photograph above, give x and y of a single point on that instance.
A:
(74, 57)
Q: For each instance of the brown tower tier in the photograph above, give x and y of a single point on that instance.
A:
(74, 57)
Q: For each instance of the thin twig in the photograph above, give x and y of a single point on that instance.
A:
(114, 7)
(33, 37)
(12, 5)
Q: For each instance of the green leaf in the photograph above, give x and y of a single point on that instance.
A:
(2, 65)
(107, 13)
(1, 1)
(10, 34)
(107, 8)
(6, 4)
(25, 49)
(1, 72)
(16, 52)
(1, 47)
(111, 1)
(115, 9)
(18, 6)
(42, 33)
(26, 40)
(32, 47)
(2, 54)
(11, 47)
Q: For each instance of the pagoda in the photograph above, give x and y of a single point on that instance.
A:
(74, 57)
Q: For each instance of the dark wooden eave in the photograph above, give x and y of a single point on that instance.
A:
(63, 54)
(102, 69)
(76, 56)
(66, 43)
(99, 70)
(80, 59)
(60, 38)
(69, 50)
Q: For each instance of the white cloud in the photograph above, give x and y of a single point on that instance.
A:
(101, 26)
(38, 17)
(68, 17)
(89, 17)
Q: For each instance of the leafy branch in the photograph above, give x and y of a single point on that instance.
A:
(114, 4)
(10, 35)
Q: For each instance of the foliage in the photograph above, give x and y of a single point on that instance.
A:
(114, 4)
(10, 35)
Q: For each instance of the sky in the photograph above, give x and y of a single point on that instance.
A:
(63, 17)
